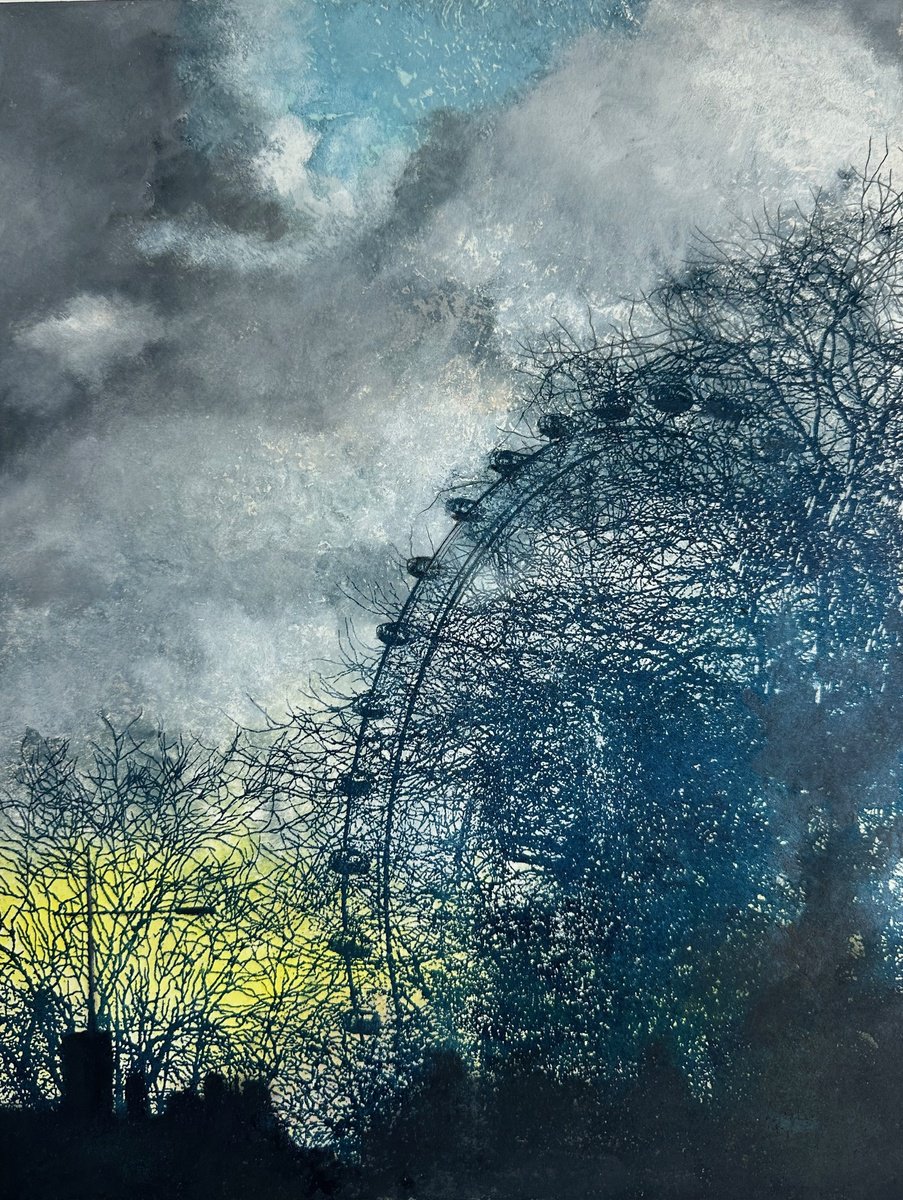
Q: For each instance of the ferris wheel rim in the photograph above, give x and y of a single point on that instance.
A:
(585, 437)
(476, 555)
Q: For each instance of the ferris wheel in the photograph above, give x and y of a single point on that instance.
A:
(550, 805)
(488, 772)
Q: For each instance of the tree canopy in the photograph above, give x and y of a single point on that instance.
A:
(629, 755)
(640, 724)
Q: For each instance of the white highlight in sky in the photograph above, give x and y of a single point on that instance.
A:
(94, 333)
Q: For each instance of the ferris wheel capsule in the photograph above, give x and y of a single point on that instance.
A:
(363, 1022)
(420, 566)
(612, 406)
(462, 508)
(355, 784)
(349, 862)
(391, 633)
(673, 399)
(506, 462)
(553, 425)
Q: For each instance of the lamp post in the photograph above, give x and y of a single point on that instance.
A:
(181, 910)
(87, 1057)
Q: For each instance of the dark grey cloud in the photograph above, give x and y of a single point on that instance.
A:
(92, 141)
(85, 97)
(224, 397)
(196, 445)
(881, 19)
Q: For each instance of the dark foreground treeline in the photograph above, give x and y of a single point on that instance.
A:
(809, 1110)
(222, 1142)
(812, 1112)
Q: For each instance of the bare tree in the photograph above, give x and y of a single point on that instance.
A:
(631, 744)
(198, 968)
(640, 712)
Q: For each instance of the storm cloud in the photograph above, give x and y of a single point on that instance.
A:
(244, 342)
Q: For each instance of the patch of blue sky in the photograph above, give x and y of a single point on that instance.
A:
(377, 69)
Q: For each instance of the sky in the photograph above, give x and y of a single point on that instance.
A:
(268, 270)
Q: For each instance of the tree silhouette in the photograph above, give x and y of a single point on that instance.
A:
(199, 965)
(638, 725)
(627, 760)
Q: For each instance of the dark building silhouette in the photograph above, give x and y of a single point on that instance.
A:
(87, 1062)
(137, 1099)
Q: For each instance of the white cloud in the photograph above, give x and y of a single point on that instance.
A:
(283, 165)
(93, 334)
(283, 162)
(594, 183)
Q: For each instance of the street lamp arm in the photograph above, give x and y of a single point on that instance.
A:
(205, 910)
(191, 910)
